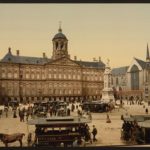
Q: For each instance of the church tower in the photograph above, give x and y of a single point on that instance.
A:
(60, 45)
(147, 67)
(147, 74)
(147, 55)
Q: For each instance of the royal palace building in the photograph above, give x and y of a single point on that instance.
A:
(58, 77)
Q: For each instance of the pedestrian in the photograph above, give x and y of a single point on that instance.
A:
(19, 114)
(72, 107)
(76, 106)
(108, 119)
(94, 132)
(122, 117)
(1, 111)
(68, 112)
(6, 111)
(15, 115)
(29, 139)
(146, 110)
(22, 115)
(90, 116)
(75, 142)
(27, 115)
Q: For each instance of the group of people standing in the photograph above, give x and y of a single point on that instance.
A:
(132, 132)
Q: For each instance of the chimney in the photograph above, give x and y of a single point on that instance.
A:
(44, 55)
(99, 59)
(75, 58)
(9, 49)
(94, 59)
(17, 52)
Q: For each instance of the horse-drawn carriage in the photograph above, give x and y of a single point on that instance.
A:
(56, 131)
(41, 108)
(13, 103)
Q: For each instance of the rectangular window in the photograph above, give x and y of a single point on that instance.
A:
(38, 76)
(54, 76)
(9, 75)
(43, 76)
(27, 76)
(15, 75)
(3, 75)
(32, 75)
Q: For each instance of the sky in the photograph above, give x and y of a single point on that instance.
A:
(117, 32)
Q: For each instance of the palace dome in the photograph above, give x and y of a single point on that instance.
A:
(59, 35)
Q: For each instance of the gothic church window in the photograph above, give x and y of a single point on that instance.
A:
(134, 78)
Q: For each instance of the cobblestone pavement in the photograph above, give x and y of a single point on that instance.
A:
(108, 133)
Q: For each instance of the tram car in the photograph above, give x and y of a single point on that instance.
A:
(95, 106)
(57, 131)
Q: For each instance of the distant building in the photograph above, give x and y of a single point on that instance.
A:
(119, 78)
(59, 77)
(133, 80)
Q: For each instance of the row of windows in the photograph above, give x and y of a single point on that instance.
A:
(9, 75)
(64, 70)
(50, 91)
(119, 81)
(50, 76)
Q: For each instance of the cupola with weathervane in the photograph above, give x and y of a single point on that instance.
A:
(60, 45)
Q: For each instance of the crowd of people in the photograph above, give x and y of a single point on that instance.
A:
(131, 132)
(44, 110)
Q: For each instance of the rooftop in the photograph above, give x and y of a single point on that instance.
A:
(120, 70)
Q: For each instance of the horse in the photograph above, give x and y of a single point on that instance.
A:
(6, 138)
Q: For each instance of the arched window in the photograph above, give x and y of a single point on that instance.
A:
(117, 82)
(62, 45)
(134, 78)
(56, 45)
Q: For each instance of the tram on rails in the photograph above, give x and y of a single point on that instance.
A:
(95, 106)
(56, 131)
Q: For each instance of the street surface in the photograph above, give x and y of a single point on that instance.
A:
(108, 133)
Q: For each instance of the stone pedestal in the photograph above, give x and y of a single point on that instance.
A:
(107, 95)
(107, 92)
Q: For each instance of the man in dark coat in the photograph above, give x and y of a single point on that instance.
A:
(94, 132)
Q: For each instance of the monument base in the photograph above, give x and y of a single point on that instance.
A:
(108, 96)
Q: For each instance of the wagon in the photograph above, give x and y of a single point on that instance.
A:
(56, 131)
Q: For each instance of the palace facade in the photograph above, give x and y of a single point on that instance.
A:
(59, 77)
